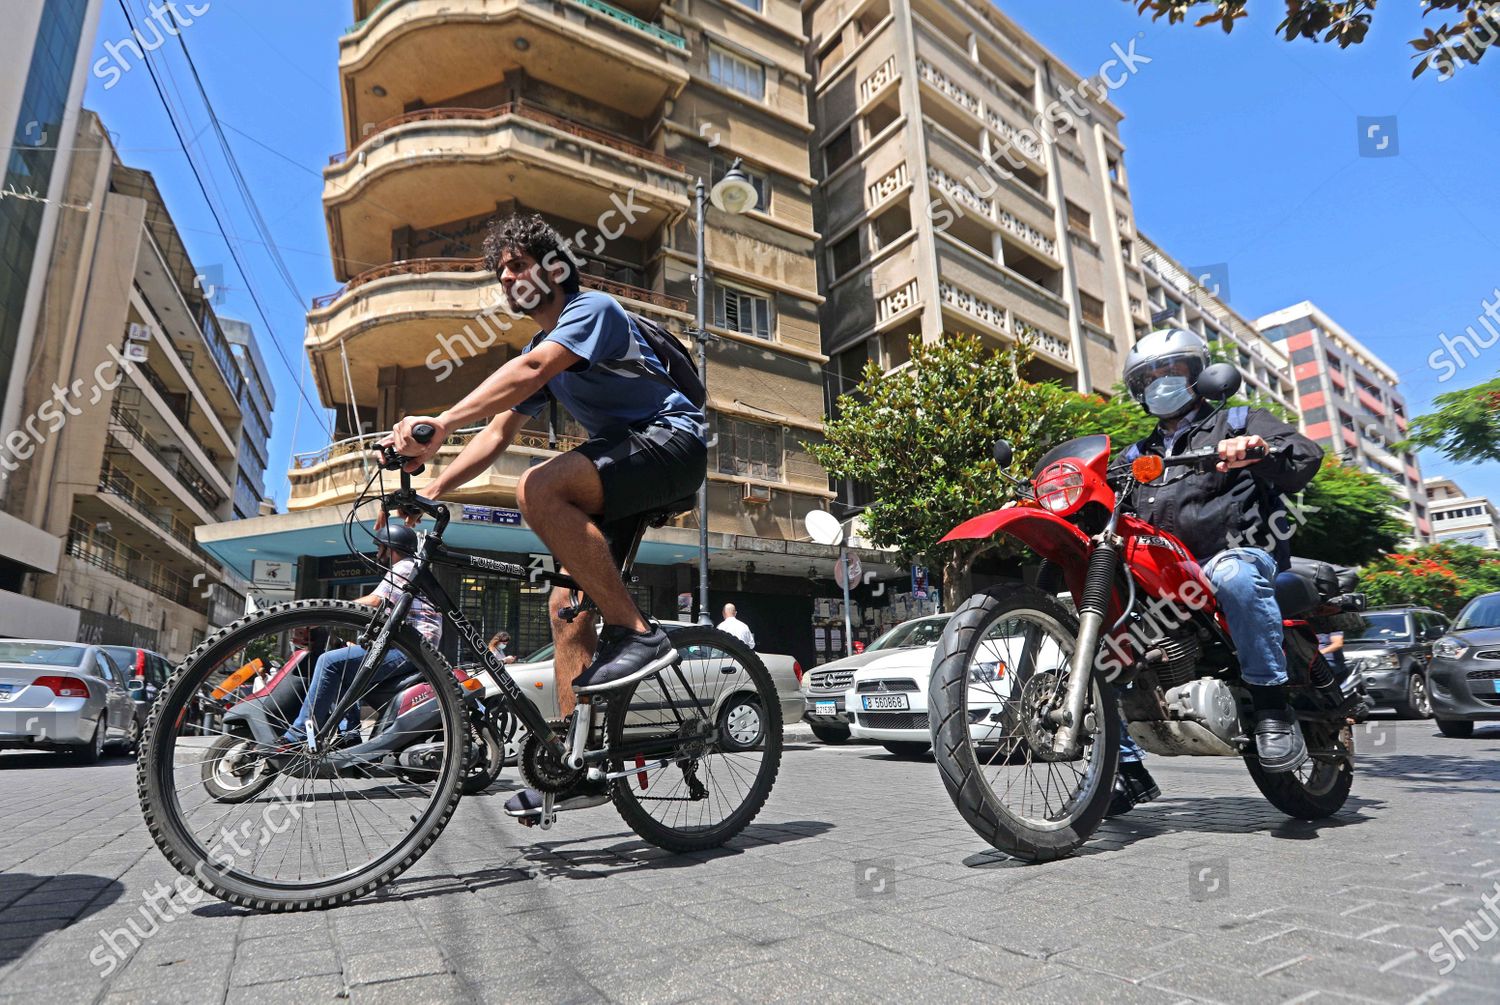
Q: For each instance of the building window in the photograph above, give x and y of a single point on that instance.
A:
(839, 149)
(758, 181)
(845, 255)
(1093, 309)
(749, 449)
(752, 4)
(737, 74)
(1079, 221)
(1313, 416)
(743, 312)
(1304, 355)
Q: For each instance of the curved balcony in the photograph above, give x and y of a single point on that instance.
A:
(442, 164)
(414, 314)
(408, 50)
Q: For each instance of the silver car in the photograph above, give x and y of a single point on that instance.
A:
(66, 697)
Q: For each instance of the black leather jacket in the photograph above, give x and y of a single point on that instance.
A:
(1211, 510)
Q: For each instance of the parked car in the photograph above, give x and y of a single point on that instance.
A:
(887, 700)
(1390, 652)
(153, 669)
(823, 688)
(534, 675)
(1465, 671)
(66, 697)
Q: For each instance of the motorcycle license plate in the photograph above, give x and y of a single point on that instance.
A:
(884, 702)
(825, 708)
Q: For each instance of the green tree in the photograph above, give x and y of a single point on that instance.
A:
(1347, 21)
(1441, 576)
(1465, 427)
(1347, 516)
(920, 438)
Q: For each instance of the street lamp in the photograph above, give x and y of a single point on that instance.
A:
(826, 529)
(733, 194)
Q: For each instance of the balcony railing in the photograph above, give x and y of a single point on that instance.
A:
(117, 483)
(145, 574)
(191, 479)
(424, 266)
(676, 41)
(525, 110)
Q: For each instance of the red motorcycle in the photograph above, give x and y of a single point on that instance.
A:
(1028, 697)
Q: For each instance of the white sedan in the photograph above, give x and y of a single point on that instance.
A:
(887, 699)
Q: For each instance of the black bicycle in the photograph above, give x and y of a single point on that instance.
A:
(342, 816)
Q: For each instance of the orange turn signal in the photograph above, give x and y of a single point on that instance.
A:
(237, 678)
(472, 684)
(1147, 468)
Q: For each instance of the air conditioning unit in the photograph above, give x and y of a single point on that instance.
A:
(136, 353)
(138, 332)
(758, 494)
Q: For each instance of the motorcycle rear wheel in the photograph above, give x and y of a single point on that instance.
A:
(1025, 638)
(1314, 791)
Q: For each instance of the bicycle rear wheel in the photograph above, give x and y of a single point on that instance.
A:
(325, 825)
(706, 736)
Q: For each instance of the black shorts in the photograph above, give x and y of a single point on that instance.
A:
(645, 467)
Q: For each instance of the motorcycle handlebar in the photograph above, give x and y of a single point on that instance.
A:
(1208, 457)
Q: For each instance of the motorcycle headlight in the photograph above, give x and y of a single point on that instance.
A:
(1059, 487)
(1449, 649)
(987, 673)
(1383, 661)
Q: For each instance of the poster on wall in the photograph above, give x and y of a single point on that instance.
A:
(919, 582)
(684, 603)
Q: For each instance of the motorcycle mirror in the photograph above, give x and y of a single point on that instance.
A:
(1147, 468)
(1218, 382)
(1002, 453)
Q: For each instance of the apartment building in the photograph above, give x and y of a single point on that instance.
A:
(257, 399)
(1178, 298)
(599, 116)
(132, 419)
(1349, 402)
(959, 191)
(1459, 518)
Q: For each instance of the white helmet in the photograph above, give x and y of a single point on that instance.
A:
(1161, 369)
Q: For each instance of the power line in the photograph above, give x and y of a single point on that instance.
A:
(218, 221)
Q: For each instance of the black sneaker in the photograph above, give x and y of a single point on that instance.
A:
(1278, 741)
(1133, 786)
(527, 804)
(624, 656)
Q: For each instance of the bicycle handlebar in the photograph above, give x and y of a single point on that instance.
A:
(406, 501)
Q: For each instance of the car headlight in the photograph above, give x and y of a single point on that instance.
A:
(987, 673)
(1382, 661)
(1449, 649)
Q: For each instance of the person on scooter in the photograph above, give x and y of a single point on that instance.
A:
(395, 545)
(1233, 521)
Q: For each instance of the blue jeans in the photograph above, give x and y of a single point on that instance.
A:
(334, 669)
(1243, 580)
(1244, 585)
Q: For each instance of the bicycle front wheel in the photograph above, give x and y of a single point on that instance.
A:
(316, 825)
(705, 736)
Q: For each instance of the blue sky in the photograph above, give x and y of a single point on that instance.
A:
(1240, 149)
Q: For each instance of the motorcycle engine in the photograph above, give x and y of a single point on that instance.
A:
(1180, 662)
(1208, 702)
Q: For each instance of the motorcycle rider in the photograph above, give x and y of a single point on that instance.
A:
(1233, 521)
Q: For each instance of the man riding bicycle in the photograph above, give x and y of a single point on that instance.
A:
(647, 448)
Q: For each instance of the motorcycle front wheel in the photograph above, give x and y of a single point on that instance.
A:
(1001, 665)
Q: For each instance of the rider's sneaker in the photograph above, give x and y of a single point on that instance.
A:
(1278, 741)
(526, 805)
(1133, 786)
(624, 656)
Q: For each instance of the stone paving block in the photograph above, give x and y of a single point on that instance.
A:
(298, 991)
(394, 962)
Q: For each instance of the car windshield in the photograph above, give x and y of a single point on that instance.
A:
(1382, 628)
(910, 635)
(1482, 612)
(123, 656)
(42, 654)
(544, 653)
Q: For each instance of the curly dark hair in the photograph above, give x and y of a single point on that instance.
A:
(537, 238)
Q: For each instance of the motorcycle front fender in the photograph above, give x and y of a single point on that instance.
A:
(1047, 534)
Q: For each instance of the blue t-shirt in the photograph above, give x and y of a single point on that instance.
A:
(597, 329)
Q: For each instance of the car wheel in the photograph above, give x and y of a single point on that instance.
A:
(741, 724)
(92, 751)
(831, 734)
(1418, 704)
(1458, 729)
(908, 750)
(131, 745)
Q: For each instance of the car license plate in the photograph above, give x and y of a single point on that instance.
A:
(825, 708)
(874, 702)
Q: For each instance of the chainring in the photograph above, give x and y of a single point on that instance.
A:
(543, 771)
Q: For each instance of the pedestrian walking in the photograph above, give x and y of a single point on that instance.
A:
(734, 626)
(498, 642)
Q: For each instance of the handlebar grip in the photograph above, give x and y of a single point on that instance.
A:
(1256, 453)
(423, 432)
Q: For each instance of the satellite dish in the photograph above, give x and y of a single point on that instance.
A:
(824, 528)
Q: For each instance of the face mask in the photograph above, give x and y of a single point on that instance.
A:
(1168, 396)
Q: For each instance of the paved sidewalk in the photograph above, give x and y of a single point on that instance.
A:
(859, 882)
